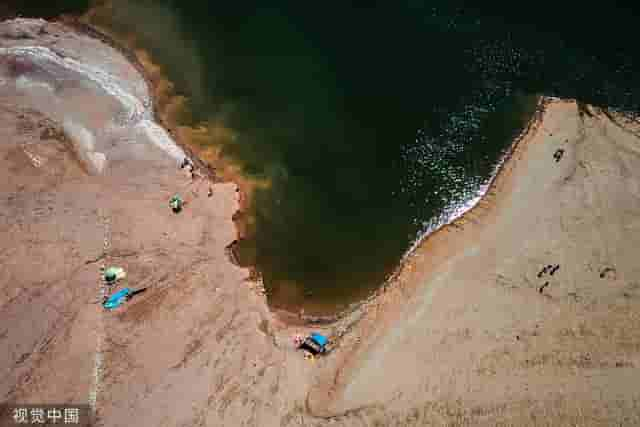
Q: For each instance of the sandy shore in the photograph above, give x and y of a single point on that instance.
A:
(467, 334)
(472, 332)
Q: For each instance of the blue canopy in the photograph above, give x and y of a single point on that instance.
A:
(116, 299)
(320, 339)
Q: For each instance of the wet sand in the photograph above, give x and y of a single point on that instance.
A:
(463, 336)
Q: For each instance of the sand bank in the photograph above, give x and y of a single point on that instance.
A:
(475, 332)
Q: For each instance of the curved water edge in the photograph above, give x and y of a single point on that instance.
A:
(354, 311)
(457, 210)
(365, 148)
(99, 130)
(136, 115)
(444, 144)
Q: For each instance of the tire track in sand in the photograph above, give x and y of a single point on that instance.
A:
(100, 331)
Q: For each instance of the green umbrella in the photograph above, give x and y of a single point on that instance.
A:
(111, 274)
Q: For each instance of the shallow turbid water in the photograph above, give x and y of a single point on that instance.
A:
(100, 112)
(372, 125)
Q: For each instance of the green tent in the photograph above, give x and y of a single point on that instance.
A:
(176, 203)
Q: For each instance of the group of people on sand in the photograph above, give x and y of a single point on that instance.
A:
(551, 269)
(187, 163)
(558, 154)
(298, 339)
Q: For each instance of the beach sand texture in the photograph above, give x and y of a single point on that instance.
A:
(467, 334)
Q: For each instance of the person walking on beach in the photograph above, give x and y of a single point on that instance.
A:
(558, 154)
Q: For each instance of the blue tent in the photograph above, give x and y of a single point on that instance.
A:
(320, 339)
(116, 299)
(314, 343)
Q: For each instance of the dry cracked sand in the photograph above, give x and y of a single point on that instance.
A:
(469, 332)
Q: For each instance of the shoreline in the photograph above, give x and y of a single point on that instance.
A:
(77, 23)
(471, 313)
(227, 172)
(382, 311)
(504, 163)
(466, 332)
(531, 126)
(288, 317)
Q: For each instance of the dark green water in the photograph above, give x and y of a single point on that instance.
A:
(373, 124)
